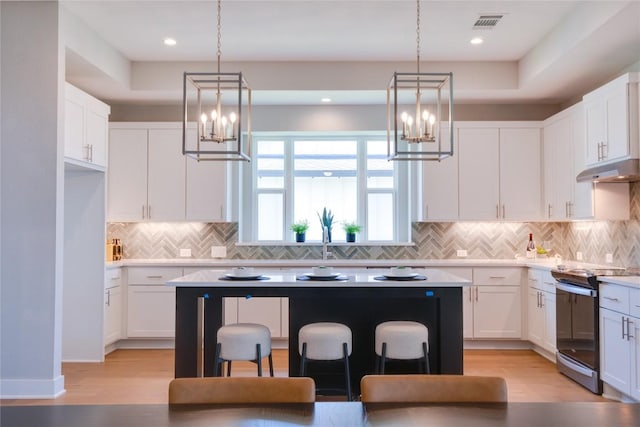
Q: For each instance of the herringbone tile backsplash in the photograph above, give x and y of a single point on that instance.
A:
(482, 240)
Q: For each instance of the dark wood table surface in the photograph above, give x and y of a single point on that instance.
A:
(326, 414)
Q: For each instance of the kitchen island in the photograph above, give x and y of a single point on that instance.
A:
(361, 301)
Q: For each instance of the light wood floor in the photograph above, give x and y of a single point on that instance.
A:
(142, 376)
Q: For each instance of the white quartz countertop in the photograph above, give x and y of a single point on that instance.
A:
(630, 281)
(354, 278)
(545, 263)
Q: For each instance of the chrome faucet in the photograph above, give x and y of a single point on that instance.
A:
(325, 243)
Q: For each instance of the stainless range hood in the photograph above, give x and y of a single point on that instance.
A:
(621, 171)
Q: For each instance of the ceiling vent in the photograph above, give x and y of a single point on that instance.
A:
(487, 22)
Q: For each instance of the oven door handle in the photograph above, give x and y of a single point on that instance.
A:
(577, 290)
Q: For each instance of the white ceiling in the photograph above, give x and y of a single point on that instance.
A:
(549, 51)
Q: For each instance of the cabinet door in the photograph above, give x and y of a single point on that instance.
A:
(549, 305)
(97, 134)
(559, 176)
(440, 188)
(166, 193)
(478, 174)
(497, 312)
(615, 362)
(634, 327)
(520, 169)
(151, 311)
(594, 116)
(112, 315)
(127, 174)
(536, 326)
(468, 294)
(74, 124)
(617, 124)
(264, 310)
(206, 190)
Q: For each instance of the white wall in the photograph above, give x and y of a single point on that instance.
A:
(31, 198)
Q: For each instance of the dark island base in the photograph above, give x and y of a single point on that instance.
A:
(440, 309)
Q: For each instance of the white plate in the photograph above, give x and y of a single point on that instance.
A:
(404, 276)
(242, 277)
(322, 276)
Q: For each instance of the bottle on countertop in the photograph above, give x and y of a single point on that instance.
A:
(531, 247)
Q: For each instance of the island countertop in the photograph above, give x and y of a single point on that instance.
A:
(351, 278)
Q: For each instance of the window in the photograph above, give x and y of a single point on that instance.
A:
(296, 176)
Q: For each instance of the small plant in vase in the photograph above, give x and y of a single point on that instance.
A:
(351, 228)
(326, 220)
(300, 228)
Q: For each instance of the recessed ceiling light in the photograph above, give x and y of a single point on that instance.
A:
(169, 41)
(477, 40)
(325, 100)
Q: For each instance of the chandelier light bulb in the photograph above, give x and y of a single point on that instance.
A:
(214, 115)
(425, 115)
(404, 117)
(203, 117)
(232, 117)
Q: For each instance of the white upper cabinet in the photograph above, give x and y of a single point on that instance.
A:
(520, 169)
(564, 158)
(206, 190)
(127, 175)
(151, 180)
(167, 176)
(611, 121)
(86, 129)
(479, 191)
(440, 187)
(499, 173)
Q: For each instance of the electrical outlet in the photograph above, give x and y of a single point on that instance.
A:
(579, 256)
(608, 258)
(218, 251)
(185, 252)
(462, 253)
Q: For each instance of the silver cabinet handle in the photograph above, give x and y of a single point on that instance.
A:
(108, 303)
(149, 212)
(142, 211)
(155, 277)
(605, 150)
(476, 293)
(541, 300)
(504, 212)
(538, 299)
(612, 299)
(497, 277)
(91, 152)
(624, 320)
(629, 336)
(549, 210)
(498, 211)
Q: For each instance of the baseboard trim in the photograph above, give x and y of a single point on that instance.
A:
(32, 388)
(496, 345)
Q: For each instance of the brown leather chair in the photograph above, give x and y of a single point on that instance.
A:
(242, 390)
(432, 389)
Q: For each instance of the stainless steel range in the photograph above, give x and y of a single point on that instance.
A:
(577, 324)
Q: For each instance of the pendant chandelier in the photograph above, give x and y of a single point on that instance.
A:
(222, 104)
(429, 134)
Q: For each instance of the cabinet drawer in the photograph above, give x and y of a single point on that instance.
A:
(497, 276)
(614, 297)
(634, 302)
(112, 278)
(548, 282)
(152, 275)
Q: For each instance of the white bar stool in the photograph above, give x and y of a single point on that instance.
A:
(326, 341)
(401, 340)
(243, 341)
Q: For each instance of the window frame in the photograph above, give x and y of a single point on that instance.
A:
(401, 217)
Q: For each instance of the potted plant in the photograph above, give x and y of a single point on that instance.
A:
(300, 228)
(351, 228)
(326, 220)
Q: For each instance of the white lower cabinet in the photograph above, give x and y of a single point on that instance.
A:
(272, 312)
(112, 306)
(151, 305)
(493, 304)
(541, 314)
(620, 338)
